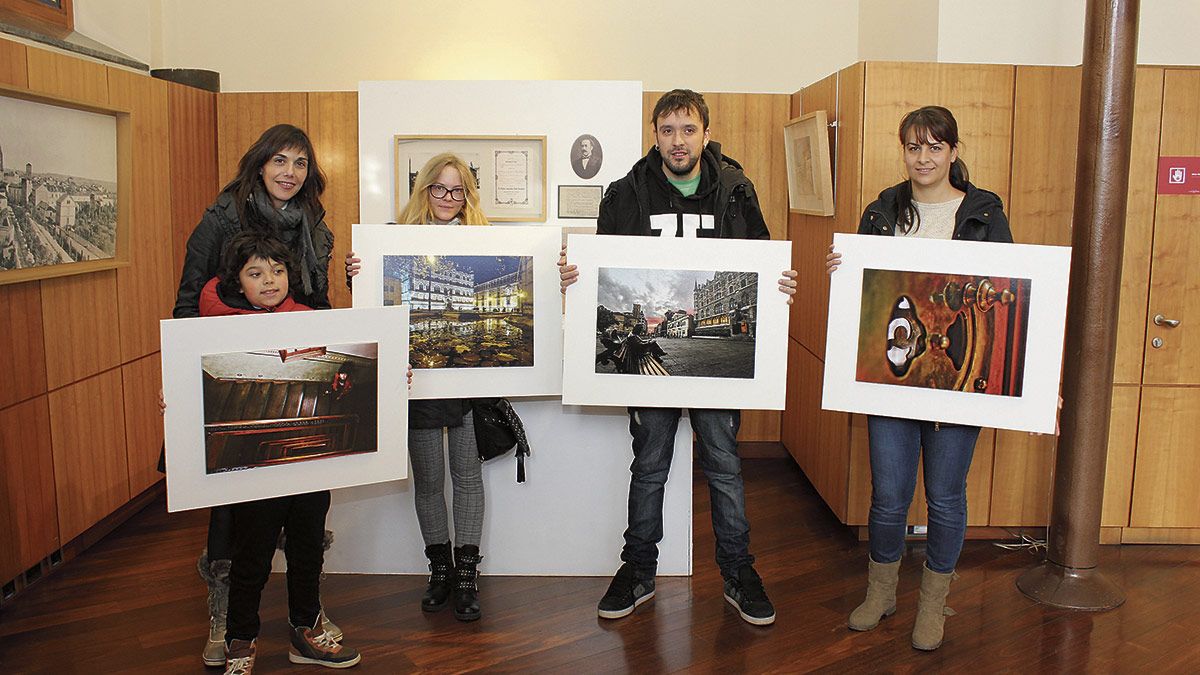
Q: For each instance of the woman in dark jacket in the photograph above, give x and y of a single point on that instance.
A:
(277, 191)
(937, 202)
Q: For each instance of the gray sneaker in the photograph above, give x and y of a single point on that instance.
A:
(745, 592)
(625, 593)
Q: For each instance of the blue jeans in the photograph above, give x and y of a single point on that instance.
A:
(653, 431)
(896, 445)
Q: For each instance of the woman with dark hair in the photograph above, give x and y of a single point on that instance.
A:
(936, 202)
(277, 191)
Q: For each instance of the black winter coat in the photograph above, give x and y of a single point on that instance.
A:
(626, 207)
(204, 247)
(980, 217)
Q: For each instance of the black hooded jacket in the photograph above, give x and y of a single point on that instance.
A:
(980, 217)
(724, 193)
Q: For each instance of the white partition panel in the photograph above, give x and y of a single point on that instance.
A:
(566, 519)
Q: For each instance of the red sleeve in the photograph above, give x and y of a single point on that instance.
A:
(210, 302)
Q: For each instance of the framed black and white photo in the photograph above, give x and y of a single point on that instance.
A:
(484, 304)
(947, 331)
(676, 322)
(266, 405)
(586, 156)
(65, 176)
(509, 171)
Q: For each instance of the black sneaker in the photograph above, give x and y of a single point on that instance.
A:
(626, 592)
(746, 593)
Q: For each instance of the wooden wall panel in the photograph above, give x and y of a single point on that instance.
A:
(241, 119)
(813, 236)
(22, 346)
(1022, 479)
(91, 475)
(68, 77)
(848, 190)
(817, 439)
(192, 118)
(14, 68)
(1168, 459)
(1045, 138)
(145, 289)
(333, 127)
(140, 382)
(981, 98)
(28, 518)
(1139, 225)
(858, 500)
(81, 329)
(1122, 447)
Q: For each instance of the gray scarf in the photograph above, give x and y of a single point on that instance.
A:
(294, 228)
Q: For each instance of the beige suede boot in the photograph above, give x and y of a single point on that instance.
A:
(931, 609)
(881, 596)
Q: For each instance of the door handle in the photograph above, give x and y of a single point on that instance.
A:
(1160, 320)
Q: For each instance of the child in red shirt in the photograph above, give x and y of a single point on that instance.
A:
(253, 279)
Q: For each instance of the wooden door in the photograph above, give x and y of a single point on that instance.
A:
(1168, 452)
(1174, 272)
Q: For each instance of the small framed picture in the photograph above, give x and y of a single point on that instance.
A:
(579, 201)
(947, 331)
(810, 176)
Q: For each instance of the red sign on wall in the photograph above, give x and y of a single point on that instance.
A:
(1179, 175)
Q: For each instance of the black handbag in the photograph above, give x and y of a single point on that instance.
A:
(497, 430)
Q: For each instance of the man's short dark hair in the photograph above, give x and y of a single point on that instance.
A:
(680, 99)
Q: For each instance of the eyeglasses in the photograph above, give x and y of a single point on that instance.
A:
(439, 191)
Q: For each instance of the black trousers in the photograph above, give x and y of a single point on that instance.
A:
(256, 527)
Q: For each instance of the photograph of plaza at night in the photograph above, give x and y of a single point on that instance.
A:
(464, 311)
(686, 323)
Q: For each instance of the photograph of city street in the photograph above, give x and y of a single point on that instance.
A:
(279, 406)
(464, 311)
(58, 185)
(943, 331)
(676, 322)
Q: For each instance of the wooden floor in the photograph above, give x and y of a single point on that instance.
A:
(134, 602)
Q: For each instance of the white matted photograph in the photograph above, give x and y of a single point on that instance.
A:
(689, 323)
(268, 405)
(484, 304)
(947, 331)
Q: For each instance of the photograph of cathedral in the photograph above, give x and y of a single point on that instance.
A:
(676, 322)
(465, 311)
(58, 185)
